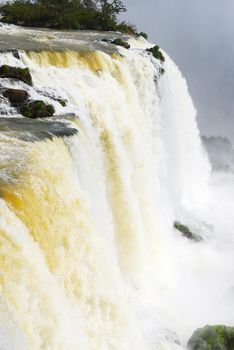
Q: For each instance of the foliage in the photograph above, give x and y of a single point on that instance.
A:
(157, 53)
(144, 35)
(186, 232)
(20, 98)
(67, 14)
(22, 74)
(217, 337)
(37, 109)
(120, 42)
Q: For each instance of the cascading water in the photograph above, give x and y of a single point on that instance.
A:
(89, 258)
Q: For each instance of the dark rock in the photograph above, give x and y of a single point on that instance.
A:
(161, 71)
(52, 96)
(21, 74)
(105, 40)
(15, 53)
(212, 338)
(15, 96)
(37, 109)
(61, 101)
(186, 232)
(157, 53)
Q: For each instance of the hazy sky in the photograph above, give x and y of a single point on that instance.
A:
(199, 36)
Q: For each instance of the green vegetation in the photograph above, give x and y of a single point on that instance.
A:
(20, 98)
(120, 42)
(22, 74)
(212, 338)
(37, 109)
(64, 14)
(157, 53)
(61, 101)
(144, 35)
(186, 232)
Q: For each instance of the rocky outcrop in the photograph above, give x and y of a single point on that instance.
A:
(16, 96)
(157, 53)
(212, 338)
(26, 107)
(118, 42)
(17, 73)
(37, 109)
(186, 232)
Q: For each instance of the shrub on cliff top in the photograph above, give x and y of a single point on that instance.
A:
(63, 14)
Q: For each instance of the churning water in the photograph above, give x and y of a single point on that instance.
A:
(89, 258)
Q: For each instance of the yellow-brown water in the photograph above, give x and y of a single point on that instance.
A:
(88, 256)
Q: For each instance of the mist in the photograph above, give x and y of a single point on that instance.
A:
(198, 35)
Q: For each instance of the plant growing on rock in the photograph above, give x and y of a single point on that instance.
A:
(186, 232)
(37, 109)
(21, 74)
(217, 337)
(157, 53)
(120, 42)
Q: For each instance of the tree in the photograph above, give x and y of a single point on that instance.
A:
(111, 9)
(67, 14)
(90, 4)
(109, 12)
(60, 6)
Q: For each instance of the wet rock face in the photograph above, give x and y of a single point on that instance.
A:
(28, 108)
(212, 338)
(16, 96)
(21, 74)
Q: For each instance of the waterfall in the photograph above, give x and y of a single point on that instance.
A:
(88, 258)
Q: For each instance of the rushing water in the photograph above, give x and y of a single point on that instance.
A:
(89, 258)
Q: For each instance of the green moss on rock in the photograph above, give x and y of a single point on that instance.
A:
(217, 337)
(16, 96)
(21, 74)
(186, 232)
(37, 109)
(120, 42)
(62, 102)
(157, 53)
(144, 35)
